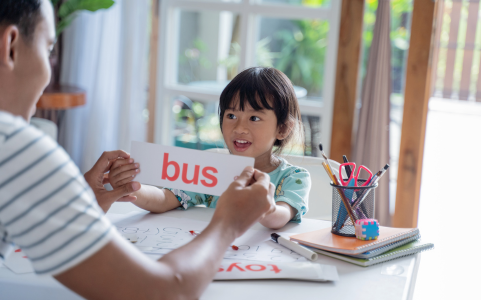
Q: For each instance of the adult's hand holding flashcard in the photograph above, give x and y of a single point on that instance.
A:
(186, 169)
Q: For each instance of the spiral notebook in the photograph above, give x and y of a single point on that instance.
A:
(405, 250)
(323, 239)
(386, 248)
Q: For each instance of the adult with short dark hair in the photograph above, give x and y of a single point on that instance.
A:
(54, 213)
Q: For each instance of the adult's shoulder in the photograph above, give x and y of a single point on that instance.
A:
(9, 124)
(15, 131)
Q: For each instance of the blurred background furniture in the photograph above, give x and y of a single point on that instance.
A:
(58, 98)
(46, 126)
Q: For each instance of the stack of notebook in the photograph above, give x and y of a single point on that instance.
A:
(392, 243)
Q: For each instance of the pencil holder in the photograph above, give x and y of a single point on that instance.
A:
(361, 205)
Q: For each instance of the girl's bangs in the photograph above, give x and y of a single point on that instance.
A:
(237, 94)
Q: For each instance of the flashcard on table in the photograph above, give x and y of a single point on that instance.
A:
(18, 262)
(190, 170)
(238, 270)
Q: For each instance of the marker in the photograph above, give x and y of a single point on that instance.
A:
(294, 247)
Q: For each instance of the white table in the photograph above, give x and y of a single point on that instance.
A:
(390, 280)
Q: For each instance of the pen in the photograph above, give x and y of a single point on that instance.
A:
(294, 246)
(348, 168)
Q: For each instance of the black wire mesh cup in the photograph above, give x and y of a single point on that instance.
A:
(361, 201)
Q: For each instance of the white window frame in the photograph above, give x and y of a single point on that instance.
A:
(250, 12)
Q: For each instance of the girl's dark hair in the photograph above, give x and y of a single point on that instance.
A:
(265, 88)
(23, 13)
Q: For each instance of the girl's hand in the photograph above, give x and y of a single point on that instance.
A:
(279, 217)
(123, 171)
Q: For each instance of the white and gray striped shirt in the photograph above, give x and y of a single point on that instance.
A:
(46, 207)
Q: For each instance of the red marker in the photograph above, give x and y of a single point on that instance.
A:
(193, 232)
(234, 247)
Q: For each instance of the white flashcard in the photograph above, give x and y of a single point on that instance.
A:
(238, 270)
(190, 170)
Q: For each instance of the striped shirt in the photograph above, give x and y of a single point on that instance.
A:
(46, 207)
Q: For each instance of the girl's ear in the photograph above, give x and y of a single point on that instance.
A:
(284, 130)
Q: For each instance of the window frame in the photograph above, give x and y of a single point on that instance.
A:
(250, 12)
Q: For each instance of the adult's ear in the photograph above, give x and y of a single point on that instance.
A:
(9, 39)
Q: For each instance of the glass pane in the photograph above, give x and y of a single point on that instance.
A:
(297, 48)
(310, 3)
(196, 124)
(312, 134)
(208, 44)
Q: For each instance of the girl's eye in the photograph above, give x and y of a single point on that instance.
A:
(254, 118)
(231, 116)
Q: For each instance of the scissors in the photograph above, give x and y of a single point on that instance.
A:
(352, 166)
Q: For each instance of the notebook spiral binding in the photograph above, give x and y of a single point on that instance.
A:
(406, 252)
(391, 239)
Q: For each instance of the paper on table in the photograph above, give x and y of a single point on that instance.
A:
(191, 170)
(18, 262)
(159, 235)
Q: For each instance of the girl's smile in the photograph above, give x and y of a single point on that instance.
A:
(241, 145)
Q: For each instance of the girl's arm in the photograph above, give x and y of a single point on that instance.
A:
(155, 200)
(279, 217)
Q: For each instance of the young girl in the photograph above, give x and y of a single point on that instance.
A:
(259, 115)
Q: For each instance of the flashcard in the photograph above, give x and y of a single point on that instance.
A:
(238, 270)
(190, 170)
(18, 262)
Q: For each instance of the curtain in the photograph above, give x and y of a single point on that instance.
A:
(106, 53)
(372, 139)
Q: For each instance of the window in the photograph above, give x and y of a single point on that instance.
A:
(205, 43)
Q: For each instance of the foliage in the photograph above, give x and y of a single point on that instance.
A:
(264, 57)
(303, 52)
(67, 10)
(194, 58)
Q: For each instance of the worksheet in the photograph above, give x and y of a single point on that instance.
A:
(158, 235)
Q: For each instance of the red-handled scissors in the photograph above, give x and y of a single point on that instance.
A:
(353, 171)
